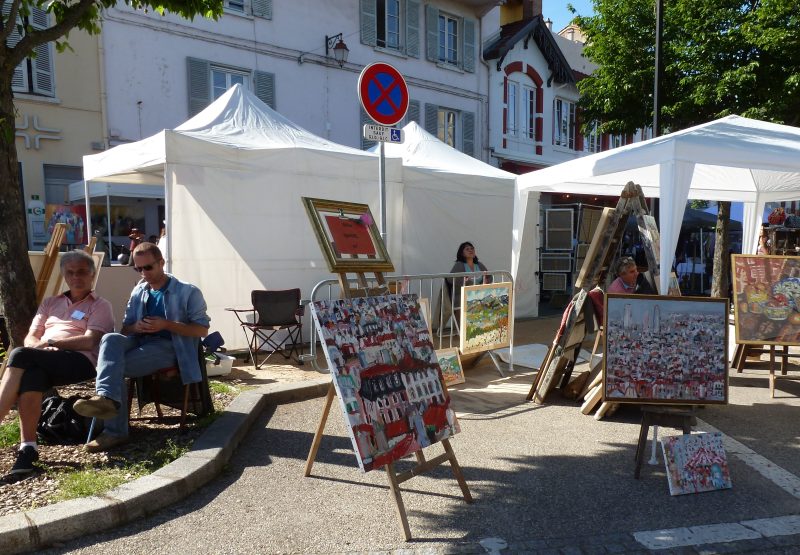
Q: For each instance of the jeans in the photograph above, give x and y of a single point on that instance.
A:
(121, 357)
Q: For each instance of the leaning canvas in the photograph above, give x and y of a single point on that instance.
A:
(386, 375)
(663, 349)
(486, 320)
(450, 363)
(695, 463)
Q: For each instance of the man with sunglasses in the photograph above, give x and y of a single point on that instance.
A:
(163, 324)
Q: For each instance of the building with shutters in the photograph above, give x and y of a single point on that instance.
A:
(162, 70)
(59, 120)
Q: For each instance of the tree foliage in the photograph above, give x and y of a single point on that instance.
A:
(18, 40)
(720, 57)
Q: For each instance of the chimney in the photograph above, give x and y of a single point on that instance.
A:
(531, 8)
(549, 23)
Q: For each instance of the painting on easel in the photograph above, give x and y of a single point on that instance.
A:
(386, 376)
(696, 463)
(486, 321)
(665, 349)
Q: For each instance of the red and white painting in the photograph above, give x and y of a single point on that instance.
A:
(696, 463)
(386, 375)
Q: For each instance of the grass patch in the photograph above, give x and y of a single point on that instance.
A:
(222, 388)
(9, 433)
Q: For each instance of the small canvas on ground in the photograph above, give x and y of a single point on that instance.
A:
(450, 363)
(696, 463)
(386, 374)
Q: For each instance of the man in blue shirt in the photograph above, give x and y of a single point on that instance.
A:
(164, 322)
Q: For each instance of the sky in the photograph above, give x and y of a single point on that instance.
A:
(557, 11)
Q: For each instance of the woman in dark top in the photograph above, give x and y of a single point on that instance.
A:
(466, 261)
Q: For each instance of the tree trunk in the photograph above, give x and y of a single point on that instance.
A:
(720, 281)
(17, 282)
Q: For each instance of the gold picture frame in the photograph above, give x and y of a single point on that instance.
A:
(360, 247)
(486, 320)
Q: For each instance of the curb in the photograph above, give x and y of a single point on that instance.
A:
(59, 522)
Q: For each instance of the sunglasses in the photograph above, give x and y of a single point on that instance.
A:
(146, 268)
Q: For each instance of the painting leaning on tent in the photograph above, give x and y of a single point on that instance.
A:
(386, 375)
(486, 321)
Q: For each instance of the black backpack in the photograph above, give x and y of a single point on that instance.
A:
(59, 424)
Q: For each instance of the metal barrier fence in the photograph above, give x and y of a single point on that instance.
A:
(434, 287)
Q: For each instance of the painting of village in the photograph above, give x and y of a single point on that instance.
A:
(766, 293)
(450, 363)
(665, 349)
(386, 375)
(485, 319)
(695, 463)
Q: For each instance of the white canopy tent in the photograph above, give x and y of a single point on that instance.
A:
(232, 178)
(459, 198)
(732, 158)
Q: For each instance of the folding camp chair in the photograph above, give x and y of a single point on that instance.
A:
(273, 312)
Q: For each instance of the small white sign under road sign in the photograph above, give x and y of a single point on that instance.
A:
(382, 133)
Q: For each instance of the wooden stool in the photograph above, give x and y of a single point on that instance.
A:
(653, 415)
(155, 378)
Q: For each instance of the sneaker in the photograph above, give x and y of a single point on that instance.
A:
(25, 459)
(97, 407)
(104, 442)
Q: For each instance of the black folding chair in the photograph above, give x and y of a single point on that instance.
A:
(273, 312)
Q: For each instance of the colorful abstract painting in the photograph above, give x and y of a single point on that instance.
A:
(663, 349)
(450, 363)
(696, 463)
(486, 321)
(387, 378)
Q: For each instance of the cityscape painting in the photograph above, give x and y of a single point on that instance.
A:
(695, 463)
(486, 321)
(450, 363)
(387, 379)
(665, 349)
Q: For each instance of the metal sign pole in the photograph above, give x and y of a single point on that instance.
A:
(382, 185)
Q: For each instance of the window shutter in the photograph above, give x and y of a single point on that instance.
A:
(413, 111)
(42, 64)
(199, 84)
(264, 85)
(469, 46)
(468, 133)
(262, 8)
(432, 119)
(19, 81)
(432, 33)
(365, 119)
(368, 23)
(412, 28)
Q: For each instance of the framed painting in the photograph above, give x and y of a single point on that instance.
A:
(387, 378)
(450, 363)
(348, 236)
(486, 320)
(766, 297)
(696, 463)
(661, 349)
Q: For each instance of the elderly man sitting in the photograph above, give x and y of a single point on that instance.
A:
(60, 349)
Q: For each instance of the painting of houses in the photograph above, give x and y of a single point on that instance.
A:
(450, 363)
(386, 375)
(665, 349)
(695, 463)
(486, 321)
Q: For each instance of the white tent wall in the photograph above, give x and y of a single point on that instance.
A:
(232, 231)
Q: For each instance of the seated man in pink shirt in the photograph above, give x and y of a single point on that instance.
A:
(629, 280)
(60, 348)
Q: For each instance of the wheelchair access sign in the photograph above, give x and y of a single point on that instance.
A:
(383, 93)
(382, 133)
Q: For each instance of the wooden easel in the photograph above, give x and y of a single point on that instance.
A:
(559, 360)
(654, 415)
(745, 350)
(423, 465)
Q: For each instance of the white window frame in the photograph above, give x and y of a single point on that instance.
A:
(382, 26)
(529, 111)
(592, 141)
(564, 123)
(247, 78)
(448, 49)
(512, 117)
(448, 132)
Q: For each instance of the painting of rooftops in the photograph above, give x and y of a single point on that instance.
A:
(386, 375)
(666, 349)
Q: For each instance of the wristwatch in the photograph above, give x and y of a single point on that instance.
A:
(51, 342)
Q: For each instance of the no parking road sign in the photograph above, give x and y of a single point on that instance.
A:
(383, 93)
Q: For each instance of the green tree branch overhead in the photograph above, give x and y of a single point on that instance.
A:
(18, 41)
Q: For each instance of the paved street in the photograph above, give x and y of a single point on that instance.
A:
(544, 479)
